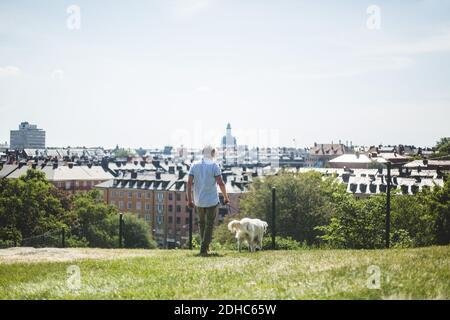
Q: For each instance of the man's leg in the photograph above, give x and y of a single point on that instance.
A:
(202, 222)
(209, 225)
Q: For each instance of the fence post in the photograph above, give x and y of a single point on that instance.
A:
(63, 237)
(190, 228)
(120, 229)
(388, 205)
(273, 217)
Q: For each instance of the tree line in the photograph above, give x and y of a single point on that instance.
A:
(33, 211)
(316, 211)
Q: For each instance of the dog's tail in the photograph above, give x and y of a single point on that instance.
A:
(265, 225)
(233, 225)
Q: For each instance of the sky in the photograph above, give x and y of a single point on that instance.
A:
(175, 72)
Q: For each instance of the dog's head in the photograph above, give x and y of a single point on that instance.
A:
(234, 225)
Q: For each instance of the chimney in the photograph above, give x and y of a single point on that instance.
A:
(155, 163)
(158, 175)
(134, 175)
(34, 165)
(70, 164)
(55, 165)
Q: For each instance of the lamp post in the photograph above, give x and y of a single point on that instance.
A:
(273, 217)
(120, 229)
(388, 204)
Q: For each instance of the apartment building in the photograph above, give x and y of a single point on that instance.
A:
(28, 136)
(68, 177)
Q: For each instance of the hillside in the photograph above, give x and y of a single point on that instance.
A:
(156, 274)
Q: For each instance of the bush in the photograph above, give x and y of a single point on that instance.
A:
(137, 233)
(282, 243)
(304, 201)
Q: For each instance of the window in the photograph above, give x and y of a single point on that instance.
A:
(85, 183)
(170, 208)
(130, 194)
(139, 195)
(170, 219)
(113, 194)
(129, 205)
(148, 195)
(178, 220)
(187, 221)
(187, 209)
(178, 197)
(121, 204)
(121, 194)
(138, 205)
(160, 196)
(170, 196)
(178, 208)
(68, 185)
(147, 207)
(77, 183)
(147, 217)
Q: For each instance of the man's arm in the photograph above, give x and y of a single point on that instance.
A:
(222, 189)
(189, 191)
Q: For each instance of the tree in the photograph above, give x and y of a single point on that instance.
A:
(303, 203)
(95, 220)
(439, 206)
(137, 233)
(30, 206)
(443, 146)
(121, 153)
(98, 224)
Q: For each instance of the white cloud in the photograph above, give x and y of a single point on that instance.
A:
(10, 71)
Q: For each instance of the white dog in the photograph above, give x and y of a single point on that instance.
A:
(248, 230)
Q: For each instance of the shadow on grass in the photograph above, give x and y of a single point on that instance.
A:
(209, 255)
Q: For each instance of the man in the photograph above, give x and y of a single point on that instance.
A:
(206, 175)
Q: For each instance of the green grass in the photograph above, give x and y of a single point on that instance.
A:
(178, 274)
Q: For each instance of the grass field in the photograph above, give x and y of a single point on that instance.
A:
(178, 274)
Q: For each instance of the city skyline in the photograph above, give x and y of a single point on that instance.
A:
(150, 74)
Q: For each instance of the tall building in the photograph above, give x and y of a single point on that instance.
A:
(27, 137)
(228, 141)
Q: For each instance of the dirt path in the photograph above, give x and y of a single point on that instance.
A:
(33, 255)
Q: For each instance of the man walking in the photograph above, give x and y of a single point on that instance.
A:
(206, 175)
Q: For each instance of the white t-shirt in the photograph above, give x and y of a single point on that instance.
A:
(205, 172)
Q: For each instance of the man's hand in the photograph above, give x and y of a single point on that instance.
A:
(190, 204)
(226, 200)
